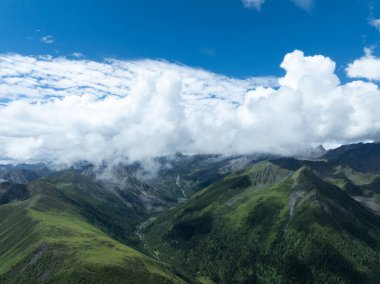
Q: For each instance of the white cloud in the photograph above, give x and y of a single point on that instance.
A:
(82, 109)
(77, 55)
(367, 67)
(37, 78)
(47, 39)
(304, 4)
(253, 4)
(375, 23)
(67, 110)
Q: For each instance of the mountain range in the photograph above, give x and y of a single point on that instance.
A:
(196, 219)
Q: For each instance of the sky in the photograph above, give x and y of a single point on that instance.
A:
(230, 37)
(121, 81)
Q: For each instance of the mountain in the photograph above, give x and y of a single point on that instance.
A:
(23, 173)
(196, 219)
(312, 153)
(363, 157)
(319, 151)
(175, 178)
(71, 230)
(12, 192)
(269, 224)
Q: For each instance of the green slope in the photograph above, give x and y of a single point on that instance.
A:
(12, 192)
(60, 235)
(269, 225)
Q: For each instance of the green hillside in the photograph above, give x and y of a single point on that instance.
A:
(284, 220)
(12, 192)
(269, 224)
(59, 235)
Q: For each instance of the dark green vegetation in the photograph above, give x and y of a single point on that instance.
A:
(280, 221)
(12, 192)
(68, 232)
(201, 219)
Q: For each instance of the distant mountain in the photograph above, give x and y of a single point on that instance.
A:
(319, 151)
(312, 153)
(175, 178)
(23, 173)
(361, 157)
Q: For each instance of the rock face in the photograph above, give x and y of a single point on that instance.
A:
(319, 151)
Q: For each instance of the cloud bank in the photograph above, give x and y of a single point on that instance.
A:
(64, 110)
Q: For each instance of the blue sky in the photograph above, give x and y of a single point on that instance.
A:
(222, 36)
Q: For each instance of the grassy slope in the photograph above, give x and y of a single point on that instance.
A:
(46, 238)
(269, 225)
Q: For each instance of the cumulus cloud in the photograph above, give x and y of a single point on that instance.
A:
(253, 4)
(367, 67)
(67, 110)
